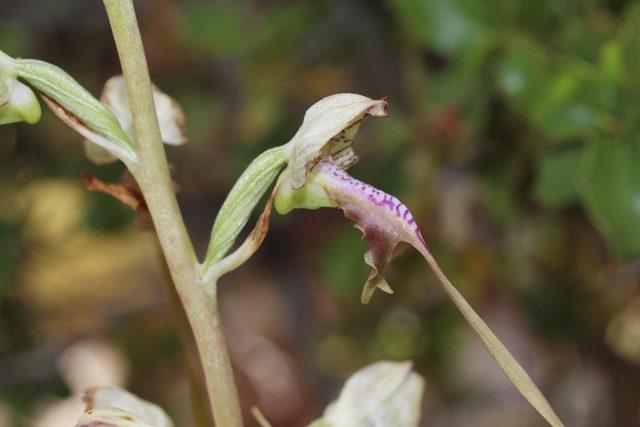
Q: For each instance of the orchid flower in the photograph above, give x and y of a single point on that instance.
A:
(315, 177)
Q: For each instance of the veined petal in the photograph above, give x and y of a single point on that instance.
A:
(335, 119)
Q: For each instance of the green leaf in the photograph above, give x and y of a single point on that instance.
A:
(555, 185)
(609, 187)
(523, 73)
(629, 37)
(448, 26)
(569, 107)
(563, 99)
(219, 28)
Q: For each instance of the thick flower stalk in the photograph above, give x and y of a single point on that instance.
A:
(130, 124)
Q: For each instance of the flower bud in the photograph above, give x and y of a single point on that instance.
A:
(17, 102)
(382, 394)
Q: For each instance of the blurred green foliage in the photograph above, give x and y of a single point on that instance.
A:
(576, 84)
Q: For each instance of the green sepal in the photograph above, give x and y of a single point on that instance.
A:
(311, 196)
(18, 103)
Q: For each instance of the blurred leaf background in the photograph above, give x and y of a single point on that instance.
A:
(513, 137)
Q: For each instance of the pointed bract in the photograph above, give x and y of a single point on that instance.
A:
(18, 103)
(77, 107)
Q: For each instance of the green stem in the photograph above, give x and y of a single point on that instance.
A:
(152, 174)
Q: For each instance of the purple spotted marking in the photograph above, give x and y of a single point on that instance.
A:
(379, 198)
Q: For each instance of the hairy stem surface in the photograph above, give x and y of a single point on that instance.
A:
(152, 174)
